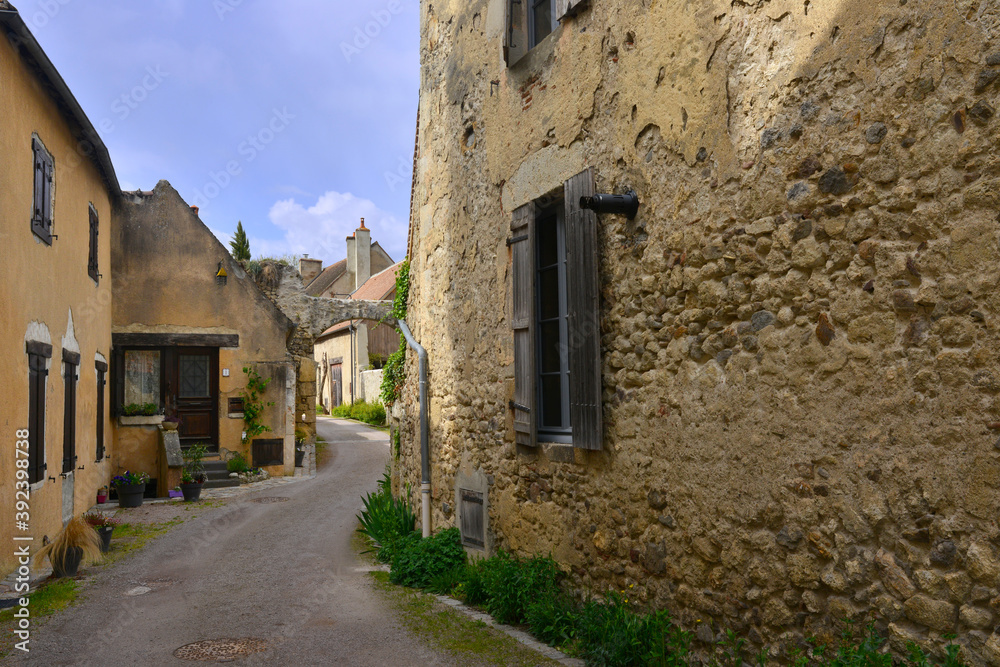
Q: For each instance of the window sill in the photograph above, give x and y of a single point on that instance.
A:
(141, 420)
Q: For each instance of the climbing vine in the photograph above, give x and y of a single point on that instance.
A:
(253, 406)
(394, 371)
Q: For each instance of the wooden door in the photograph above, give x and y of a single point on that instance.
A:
(336, 384)
(194, 385)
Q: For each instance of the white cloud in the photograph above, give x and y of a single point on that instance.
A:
(320, 229)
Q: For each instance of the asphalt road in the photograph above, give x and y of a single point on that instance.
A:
(282, 572)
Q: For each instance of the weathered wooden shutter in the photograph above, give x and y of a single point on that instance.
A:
(566, 8)
(102, 371)
(523, 322)
(72, 363)
(583, 315)
(41, 221)
(37, 372)
(92, 267)
(117, 380)
(515, 42)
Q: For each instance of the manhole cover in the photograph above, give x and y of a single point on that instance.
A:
(220, 650)
(270, 499)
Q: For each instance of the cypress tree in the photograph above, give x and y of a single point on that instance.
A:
(240, 244)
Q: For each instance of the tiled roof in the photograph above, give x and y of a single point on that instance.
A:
(377, 288)
(326, 278)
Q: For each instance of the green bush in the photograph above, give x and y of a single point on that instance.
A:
(237, 463)
(144, 410)
(552, 618)
(370, 413)
(385, 520)
(613, 633)
(418, 562)
(506, 585)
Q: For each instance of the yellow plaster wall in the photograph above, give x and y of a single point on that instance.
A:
(46, 285)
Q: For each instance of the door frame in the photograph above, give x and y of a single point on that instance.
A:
(171, 385)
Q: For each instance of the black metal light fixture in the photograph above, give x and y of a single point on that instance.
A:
(626, 204)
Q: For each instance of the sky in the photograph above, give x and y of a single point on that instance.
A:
(296, 118)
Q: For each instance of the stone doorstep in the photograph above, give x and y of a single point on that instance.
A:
(521, 636)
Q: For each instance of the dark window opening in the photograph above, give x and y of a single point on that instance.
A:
(38, 353)
(71, 362)
(41, 217)
(551, 325)
(102, 373)
(92, 264)
(541, 20)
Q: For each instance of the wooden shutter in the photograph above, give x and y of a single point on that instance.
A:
(117, 380)
(102, 370)
(72, 363)
(566, 8)
(92, 267)
(515, 42)
(37, 372)
(583, 315)
(523, 322)
(41, 216)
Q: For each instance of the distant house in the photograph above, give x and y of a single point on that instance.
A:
(346, 349)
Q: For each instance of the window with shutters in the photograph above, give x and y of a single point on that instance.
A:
(38, 356)
(44, 181)
(102, 375)
(555, 321)
(531, 21)
(71, 364)
(92, 264)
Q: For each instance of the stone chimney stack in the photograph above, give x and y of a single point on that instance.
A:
(363, 253)
(352, 260)
(309, 269)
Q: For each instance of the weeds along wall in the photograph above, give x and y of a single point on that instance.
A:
(798, 330)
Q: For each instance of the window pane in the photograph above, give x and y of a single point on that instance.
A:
(142, 376)
(551, 401)
(543, 20)
(549, 332)
(194, 376)
(548, 249)
(548, 293)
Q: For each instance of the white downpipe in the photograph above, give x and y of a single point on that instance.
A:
(425, 467)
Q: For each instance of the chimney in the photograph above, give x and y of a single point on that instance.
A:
(352, 262)
(363, 250)
(309, 269)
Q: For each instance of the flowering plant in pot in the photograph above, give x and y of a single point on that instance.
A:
(130, 486)
(104, 525)
(67, 550)
(171, 423)
(193, 475)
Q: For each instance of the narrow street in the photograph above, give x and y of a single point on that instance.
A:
(281, 571)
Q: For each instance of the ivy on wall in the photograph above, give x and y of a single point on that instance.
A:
(394, 371)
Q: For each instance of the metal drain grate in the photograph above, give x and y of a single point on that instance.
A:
(220, 650)
(270, 499)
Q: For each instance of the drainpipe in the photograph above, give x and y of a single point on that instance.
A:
(425, 464)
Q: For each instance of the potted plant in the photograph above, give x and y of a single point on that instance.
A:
(170, 423)
(130, 486)
(67, 550)
(104, 525)
(193, 475)
(102, 495)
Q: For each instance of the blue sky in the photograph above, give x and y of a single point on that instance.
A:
(295, 117)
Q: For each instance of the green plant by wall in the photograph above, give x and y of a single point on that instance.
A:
(237, 463)
(370, 413)
(253, 406)
(418, 561)
(385, 520)
(394, 371)
(143, 410)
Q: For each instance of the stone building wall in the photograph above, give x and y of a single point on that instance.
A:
(798, 330)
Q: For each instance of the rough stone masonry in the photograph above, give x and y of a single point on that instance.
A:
(799, 330)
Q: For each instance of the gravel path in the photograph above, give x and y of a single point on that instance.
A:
(280, 574)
